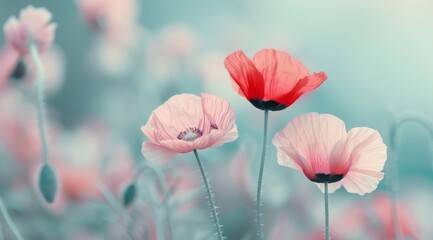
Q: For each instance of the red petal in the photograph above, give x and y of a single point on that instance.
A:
(280, 71)
(246, 79)
(304, 85)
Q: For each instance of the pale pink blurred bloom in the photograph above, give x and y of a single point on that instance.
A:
(120, 33)
(93, 11)
(178, 40)
(20, 132)
(171, 50)
(319, 146)
(348, 225)
(211, 71)
(79, 170)
(53, 61)
(240, 172)
(98, 163)
(33, 26)
(8, 60)
(280, 230)
(118, 169)
(379, 223)
(78, 183)
(182, 179)
(186, 122)
(111, 58)
(116, 19)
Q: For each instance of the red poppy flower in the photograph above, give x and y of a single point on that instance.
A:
(272, 80)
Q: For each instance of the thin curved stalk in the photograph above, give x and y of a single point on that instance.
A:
(9, 221)
(210, 196)
(394, 167)
(40, 99)
(260, 181)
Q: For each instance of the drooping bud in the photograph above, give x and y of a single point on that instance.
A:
(48, 183)
(129, 194)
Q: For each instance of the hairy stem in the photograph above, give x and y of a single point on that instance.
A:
(260, 181)
(40, 99)
(210, 196)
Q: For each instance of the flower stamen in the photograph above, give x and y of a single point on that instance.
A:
(190, 134)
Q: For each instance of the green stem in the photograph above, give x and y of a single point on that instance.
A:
(9, 221)
(260, 181)
(210, 196)
(326, 212)
(40, 98)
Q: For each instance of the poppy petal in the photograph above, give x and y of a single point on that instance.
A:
(303, 86)
(311, 136)
(362, 149)
(156, 153)
(362, 181)
(218, 112)
(245, 75)
(279, 70)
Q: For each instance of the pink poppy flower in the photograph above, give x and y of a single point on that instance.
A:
(272, 80)
(9, 58)
(53, 61)
(319, 146)
(115, 19)
(379, 222)
(186, 122)
(33, 26)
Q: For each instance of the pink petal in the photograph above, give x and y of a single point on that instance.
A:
(246, 79)
(32, 26)
(216, 138)
(362, 181)
(362, 155)
(284, 160)
(175, 115)
(311, 137)
(218, 112)
(37, 17)
(362, 149)
(280, 71)
(8, 61)
(179, 146)
(156, 154)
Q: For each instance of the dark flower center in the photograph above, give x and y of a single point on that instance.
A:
(19, 70)
(190, 134)
(326, 177)
(267, 105)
